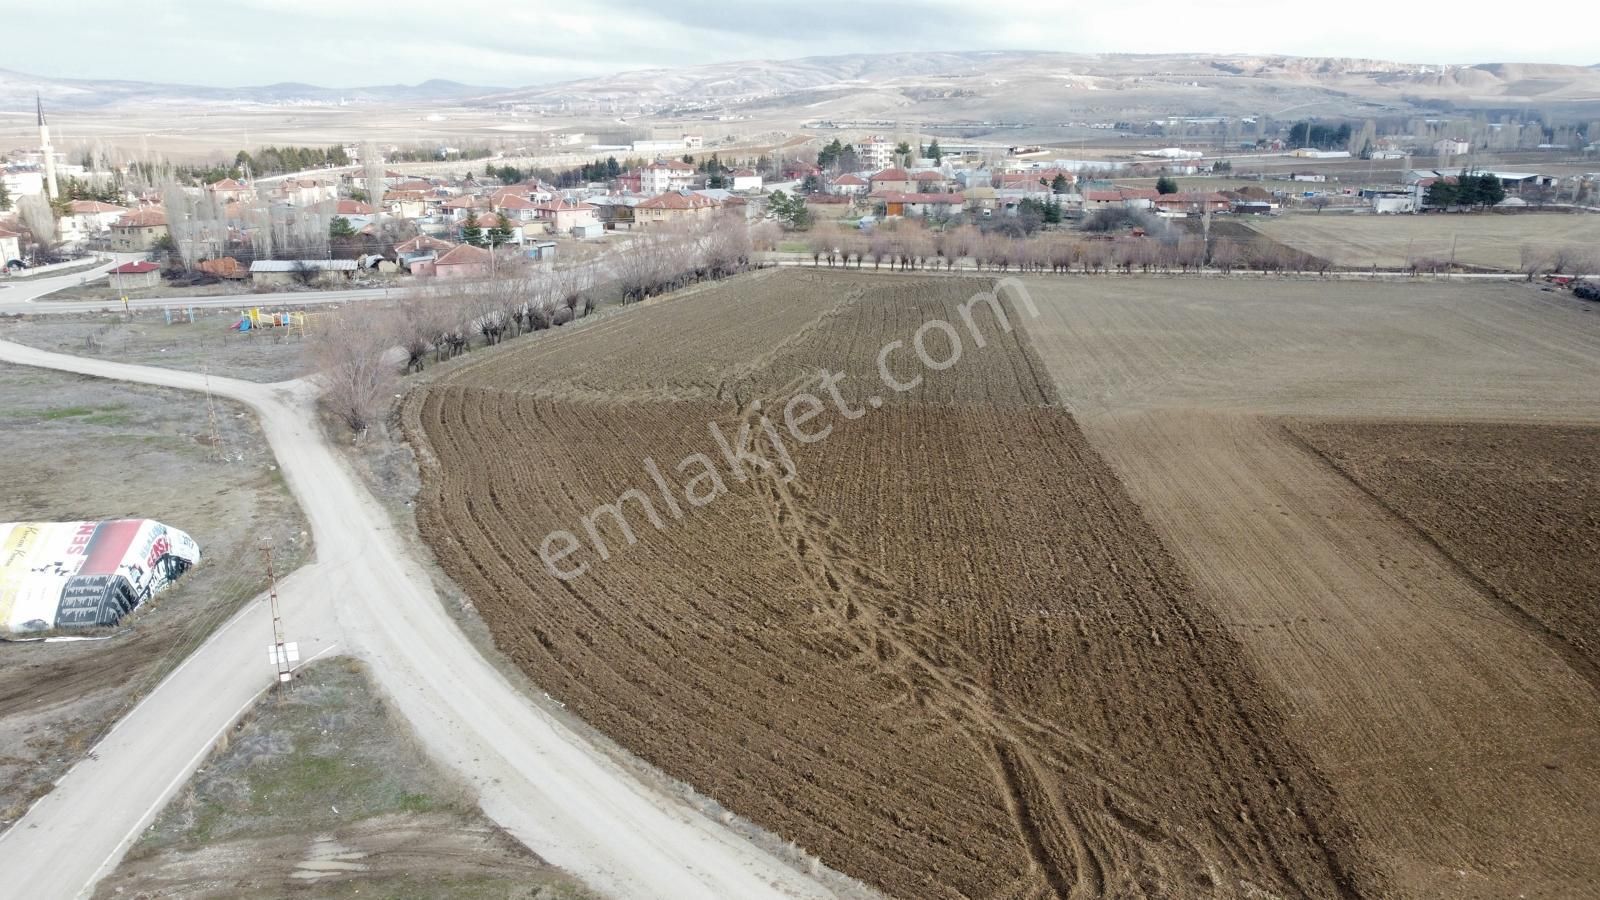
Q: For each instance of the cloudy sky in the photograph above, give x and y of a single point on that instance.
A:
(247, 42)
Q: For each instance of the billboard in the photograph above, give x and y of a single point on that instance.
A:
(65, 575)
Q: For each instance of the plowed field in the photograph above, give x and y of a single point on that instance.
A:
(940, 647)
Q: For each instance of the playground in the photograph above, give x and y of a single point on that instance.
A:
(217, 341)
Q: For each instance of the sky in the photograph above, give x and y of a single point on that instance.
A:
(511, 43)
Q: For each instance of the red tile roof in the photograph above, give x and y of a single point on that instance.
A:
(228, 184)
(852, 180)
(81, 207)
(144, 218)
(676, 200)
(892, 175)
(422, 242)
(463, 255)
(135, 268)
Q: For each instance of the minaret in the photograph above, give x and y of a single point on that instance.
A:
(47, 152)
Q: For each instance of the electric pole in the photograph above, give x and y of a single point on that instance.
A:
(284, 655)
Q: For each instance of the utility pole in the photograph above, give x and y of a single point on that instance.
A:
(211, 414)
(283, 654)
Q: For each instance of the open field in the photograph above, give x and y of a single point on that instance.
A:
(1489, 240)
(80, 448)
(1494, 497)
(1456, 729)
(1039, 707)
(321, 791)
(144, 338)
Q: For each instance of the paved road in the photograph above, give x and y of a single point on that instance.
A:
(364, 594)
(24, 296)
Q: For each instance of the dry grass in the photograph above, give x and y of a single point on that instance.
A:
(1488, 240)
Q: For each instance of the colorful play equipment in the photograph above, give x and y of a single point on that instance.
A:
(256, 318)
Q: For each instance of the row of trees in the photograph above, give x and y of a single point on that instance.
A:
(1054, 252)
(360, 358)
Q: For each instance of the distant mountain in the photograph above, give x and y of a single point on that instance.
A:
(1003, 84)
(17, 91)
(951, 86)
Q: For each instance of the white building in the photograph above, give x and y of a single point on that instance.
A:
(746, 180)
(665, 175)
(1451, 147)
(23, 182)
(877, 152)
(89, 218)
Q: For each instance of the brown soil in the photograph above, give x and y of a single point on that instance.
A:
(1516, 506)
(1462, 739)
(949, 656)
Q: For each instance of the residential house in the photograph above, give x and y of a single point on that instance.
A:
(564, 217)
(88, 218)
(10, 247)
(406, 204)
(980, 200)
(665, 175)
(929, 181)
(615, 211)
(135, 276)
(514, 207)
(898, 180)
(462, 261)
(418, 254)
(297, 271)
(746, 180)
(138, 231)
(674, 206)
(1119, 198)
(347, 208)
(230, 191)
(900, 203)
(1186, 203)
(1451, 147)
(848, 184)
(304, 192)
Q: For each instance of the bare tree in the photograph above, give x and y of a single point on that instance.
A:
(37, 217)
(351, 356)
(372, 169)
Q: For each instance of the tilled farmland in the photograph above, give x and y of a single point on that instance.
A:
(935, 644)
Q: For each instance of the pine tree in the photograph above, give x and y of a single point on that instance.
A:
(500, 234)
(934, 153)
(1165, 185)
(471, 233)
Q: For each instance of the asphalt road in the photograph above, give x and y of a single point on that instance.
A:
(364, 594)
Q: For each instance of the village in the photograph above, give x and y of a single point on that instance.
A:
(364, 213)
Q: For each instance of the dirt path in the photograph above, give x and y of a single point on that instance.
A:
(1462, 742)
(544, 784)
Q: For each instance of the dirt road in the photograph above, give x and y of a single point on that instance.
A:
(545, 785)
(1460, 739)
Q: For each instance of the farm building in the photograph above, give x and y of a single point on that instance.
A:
(135, 275)
(291, 271)
(56, 575)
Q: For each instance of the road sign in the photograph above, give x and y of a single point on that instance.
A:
(283, 657)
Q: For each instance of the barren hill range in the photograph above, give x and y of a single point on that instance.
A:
(959, 86)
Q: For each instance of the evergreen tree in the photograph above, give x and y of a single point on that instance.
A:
(1490, 189)
(5, 197)
(1165, 185)
(471, 233)
(1440, 194)
(500, 234)
(934, 153)
(340, 227)
(1059, 184)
